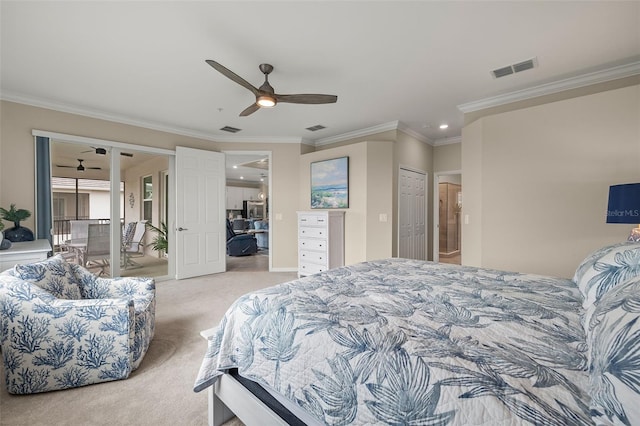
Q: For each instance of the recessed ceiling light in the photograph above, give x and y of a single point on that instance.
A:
(235, 167)
(241, 177)
(443, 126)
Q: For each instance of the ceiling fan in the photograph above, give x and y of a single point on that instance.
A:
(80, 167)
(102, 151)
(265, 95)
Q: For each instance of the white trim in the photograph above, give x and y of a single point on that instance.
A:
(422, 138)
(284, 270)
(61, 137)
(269, 197)
(70, 109)
(259, 139)
(447, 141)
(393, 125)
(588, 79)
(436, 210)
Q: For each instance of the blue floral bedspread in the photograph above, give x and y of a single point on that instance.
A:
(408, 342)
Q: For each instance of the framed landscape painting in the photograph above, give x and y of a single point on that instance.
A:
(330, 184)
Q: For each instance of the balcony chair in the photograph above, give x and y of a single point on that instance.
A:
(63, 327)
(98, 249)
(132, 243)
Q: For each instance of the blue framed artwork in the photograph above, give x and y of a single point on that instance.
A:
(330, 184)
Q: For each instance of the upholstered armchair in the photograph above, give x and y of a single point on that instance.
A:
(240, 244)
(62, 326)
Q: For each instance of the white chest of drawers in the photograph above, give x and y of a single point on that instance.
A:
(24, 252)
(320, 241)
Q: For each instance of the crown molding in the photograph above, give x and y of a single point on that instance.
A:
(447, 141)
(385, 127)
(406, 129)
(70, 109)
(588, 79)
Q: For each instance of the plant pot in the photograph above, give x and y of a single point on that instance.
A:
(18, 233)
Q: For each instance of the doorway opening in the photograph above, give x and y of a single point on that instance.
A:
(448, 220)
(248, 189)
(85, 204)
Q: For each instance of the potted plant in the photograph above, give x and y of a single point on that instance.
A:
(17, 233)
(159, 242)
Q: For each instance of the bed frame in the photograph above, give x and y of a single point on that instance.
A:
(228, 398)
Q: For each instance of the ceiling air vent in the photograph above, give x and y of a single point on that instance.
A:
(230, 129)
(523, 66)
(511, 69)
(501, 72)
(316, 128)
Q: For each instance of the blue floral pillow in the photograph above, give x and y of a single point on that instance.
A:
(613, 337)
(606, 268)
(53, 275)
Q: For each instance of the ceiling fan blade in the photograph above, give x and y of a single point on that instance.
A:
(94, 168)
(233, 76)
(68, 167)
(249, 110)
(307, 99)
(126, 154)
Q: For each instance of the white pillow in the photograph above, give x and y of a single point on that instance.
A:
(613, 338)
(606, 268)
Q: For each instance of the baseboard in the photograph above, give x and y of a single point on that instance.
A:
(284, 269)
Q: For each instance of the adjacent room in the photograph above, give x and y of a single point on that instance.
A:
(307, 213)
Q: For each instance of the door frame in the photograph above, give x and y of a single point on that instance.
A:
(426, 207)
(117, 147)
(268, 200)
(436, 210)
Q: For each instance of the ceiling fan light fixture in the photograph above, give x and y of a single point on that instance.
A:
(266, 101)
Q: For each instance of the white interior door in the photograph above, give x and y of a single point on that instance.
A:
(412, 226)
(200, 212)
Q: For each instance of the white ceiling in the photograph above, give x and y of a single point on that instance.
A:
(412, 62)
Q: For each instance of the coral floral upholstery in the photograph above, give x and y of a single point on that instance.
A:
(62, 326)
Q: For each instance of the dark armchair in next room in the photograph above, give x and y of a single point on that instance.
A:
(240, 244)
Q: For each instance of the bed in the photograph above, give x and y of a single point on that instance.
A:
(408, 342)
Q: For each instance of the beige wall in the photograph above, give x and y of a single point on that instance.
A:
(133, 184)
(370, 173)
(17, 163)
(447, 158)
(405, 151)
(539, 180)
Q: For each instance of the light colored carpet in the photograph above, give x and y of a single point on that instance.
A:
(160, 392)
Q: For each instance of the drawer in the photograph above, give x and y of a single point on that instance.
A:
(310, 268)
(312, 220)
(312, 232)
(313, 256)
(311, 244)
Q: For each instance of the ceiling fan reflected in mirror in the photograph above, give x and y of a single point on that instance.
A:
(102, 151)
(265, 95)
(80, 167)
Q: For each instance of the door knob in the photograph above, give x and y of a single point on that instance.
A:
(182, 229)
